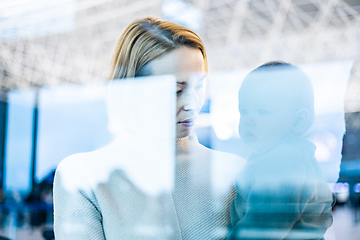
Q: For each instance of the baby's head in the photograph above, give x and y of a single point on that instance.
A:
(276, 101)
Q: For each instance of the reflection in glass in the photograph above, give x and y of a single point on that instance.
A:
(281, 192)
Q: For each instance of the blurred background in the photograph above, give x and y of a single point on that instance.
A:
(49, 50)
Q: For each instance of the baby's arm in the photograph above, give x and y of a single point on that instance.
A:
(273, 203)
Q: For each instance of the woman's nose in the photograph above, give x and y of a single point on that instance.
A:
(191, 101)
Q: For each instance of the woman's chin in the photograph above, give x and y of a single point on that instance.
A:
(181, 133)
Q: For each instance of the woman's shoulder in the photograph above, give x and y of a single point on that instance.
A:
(225, 167)
(224, 157)
(146, 170)
(92, 162)
(79, 162)
(74, 170)
(86, 168)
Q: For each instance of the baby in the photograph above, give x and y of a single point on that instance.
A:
(281, 192)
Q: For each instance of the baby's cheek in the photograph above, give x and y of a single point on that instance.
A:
(241, 131)
(240, 126)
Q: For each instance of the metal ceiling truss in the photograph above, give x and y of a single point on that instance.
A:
(237, 34)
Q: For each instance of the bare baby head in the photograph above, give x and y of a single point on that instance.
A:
(276, 101)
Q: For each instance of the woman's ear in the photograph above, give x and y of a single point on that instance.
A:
(302, 121)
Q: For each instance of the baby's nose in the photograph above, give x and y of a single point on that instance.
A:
(250, 121)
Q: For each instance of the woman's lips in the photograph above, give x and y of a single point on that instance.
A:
(187, 122)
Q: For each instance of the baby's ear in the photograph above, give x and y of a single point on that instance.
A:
(302, 121)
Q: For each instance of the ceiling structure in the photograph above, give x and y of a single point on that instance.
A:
(237, 34)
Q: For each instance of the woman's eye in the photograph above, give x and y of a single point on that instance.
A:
(263, 112)
(178, 92)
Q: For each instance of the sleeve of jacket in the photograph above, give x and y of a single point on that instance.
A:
(76, 215)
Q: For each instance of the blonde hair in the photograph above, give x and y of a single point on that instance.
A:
(146, 39)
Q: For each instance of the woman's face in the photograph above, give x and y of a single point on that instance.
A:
(187, 64)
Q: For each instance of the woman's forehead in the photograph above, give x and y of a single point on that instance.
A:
(182, 62)
(192, 78)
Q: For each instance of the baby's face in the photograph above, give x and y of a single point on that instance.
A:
(266, 113)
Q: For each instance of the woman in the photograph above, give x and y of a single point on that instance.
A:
(117, 206)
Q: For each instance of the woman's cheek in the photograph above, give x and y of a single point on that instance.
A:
(178, 105)
(201, 95)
